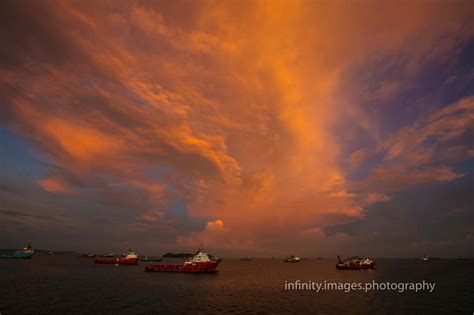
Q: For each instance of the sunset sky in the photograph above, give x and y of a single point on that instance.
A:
(261, 128)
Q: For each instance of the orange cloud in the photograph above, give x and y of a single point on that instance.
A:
(216, 225)
(234, 104)
(55, 185)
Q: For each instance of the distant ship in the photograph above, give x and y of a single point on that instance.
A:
(24, 253)
(130, 258)
(109, 255)
(354, 263)
(292, 259)
(201, 262)
(146, 258)
(89, 255)
(246, 258)
(50, 253)
(424, 258)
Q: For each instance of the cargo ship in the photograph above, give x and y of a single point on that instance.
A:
(130, 258)
(354, 263)
(292, 259)
(201, 262)
(24, 253)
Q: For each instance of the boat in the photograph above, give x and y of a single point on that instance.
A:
(146, 258)
(201, 262)
(24, 253)
(354, 263)
(424, 258)
(50, 253)
(88, 255)
(109, 255)
(130, 258)
(246, 258)
(292, 259)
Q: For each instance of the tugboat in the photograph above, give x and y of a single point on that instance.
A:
(130, 258)
(24, 253)
(354, 263)
(201, 262)
(292, 259)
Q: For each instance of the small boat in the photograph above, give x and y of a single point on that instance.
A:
(88, 255)
(424, 258)
(246, 258)
(130, 258)
(292, 259)
(109, 255)
(354, 263)
(201, 262)
(146, 258)
(24, 253)
(50, 253)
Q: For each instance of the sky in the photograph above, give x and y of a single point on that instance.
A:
(256, 128)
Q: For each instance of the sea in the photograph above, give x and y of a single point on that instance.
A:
(65, 284)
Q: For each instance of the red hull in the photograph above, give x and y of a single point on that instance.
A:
(202, 267)
(119, 261)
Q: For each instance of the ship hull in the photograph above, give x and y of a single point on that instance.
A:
(203, 267)
(118, 261)
(22, 255)
(17, 256)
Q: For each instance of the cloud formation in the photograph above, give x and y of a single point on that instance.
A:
(168, 115)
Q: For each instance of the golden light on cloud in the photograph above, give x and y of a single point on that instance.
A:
(55, 186)
(247, 112)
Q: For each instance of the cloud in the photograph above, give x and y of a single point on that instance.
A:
(418, 153)
(216, 225)
(227, 111)
(441, 127)
(55, 185)
(215, 235)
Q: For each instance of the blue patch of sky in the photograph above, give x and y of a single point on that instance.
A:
(18, 160)
(365, 167)
(426, 92)
(179, 208)
(462, 83)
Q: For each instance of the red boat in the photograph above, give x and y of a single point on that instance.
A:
(200, 263)
(131, 258)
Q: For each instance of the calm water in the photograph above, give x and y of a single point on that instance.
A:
(65, 284)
